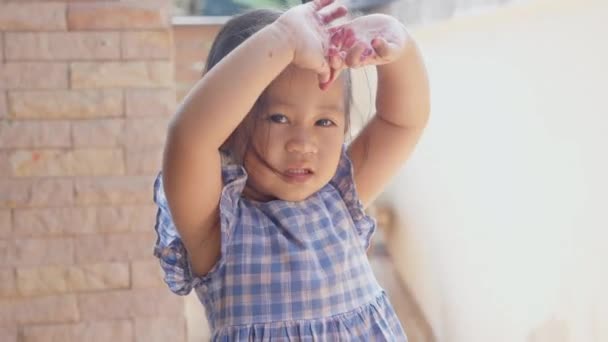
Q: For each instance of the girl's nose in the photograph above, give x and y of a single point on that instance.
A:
(301, 142)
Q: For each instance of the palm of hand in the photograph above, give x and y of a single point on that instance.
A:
(307, 27)
(369, 40)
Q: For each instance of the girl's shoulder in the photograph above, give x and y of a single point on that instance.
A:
(169, 247)
(343, 182)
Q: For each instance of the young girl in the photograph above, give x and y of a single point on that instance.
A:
(260, 202)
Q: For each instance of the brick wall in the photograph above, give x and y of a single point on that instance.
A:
(192, 44)
(86, 89)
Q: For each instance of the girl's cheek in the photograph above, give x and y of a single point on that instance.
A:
(333, 138)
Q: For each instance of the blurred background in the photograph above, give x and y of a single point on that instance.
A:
(495, 229)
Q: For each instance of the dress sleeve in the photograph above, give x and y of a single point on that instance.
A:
(344, 182)
(170, 249)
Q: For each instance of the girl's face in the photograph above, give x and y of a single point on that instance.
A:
(298, 140)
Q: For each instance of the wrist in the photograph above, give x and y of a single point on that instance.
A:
(281, 35)
(406, 54)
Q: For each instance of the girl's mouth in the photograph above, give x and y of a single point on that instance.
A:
(297, 175)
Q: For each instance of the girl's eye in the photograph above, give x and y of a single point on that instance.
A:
(325, 123)
(278, 118)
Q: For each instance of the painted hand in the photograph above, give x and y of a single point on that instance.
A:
(374, 39)
(308, 28)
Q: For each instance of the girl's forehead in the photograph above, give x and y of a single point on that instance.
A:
(300, 86)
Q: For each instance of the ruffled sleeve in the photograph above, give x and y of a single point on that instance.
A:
(344, 182)
(169, 247)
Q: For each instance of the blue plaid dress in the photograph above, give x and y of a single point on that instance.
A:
(288, 271)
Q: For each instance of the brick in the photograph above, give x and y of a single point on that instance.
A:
(146, 45)
(142, 218)
(62, 46)
(115, 247)
(114, 330)
(98, 162)
(126, 219)
(83, 220)
(26, 134)
(146, 132)
(49, 309)
(67, 104)
(101, 276)
(114, 190)
(144, 160)
(7, 251)
(41, 163)
(54, 221)
(20, 16)
(8, 284)
(6, 223)
(80, 162)
(160, 329)
(9, 333)
(146, 274)
(28, 75)
(121, 74)
(123, 304)
(123, 15)
(36, 192)
(42, 281)
(57, 279)
(3, 105)
(31, 252)
(7, 314)
(99, 133)
(5, 166)
(150, 102)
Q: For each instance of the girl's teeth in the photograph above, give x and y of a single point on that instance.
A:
(298, 171)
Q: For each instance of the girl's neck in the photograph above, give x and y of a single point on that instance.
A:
(249, 192)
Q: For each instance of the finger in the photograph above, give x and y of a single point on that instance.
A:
(322, 3)
(332, 51)
(353, 59)
(335, 29)
(335, 13)
(335, 74)
(324, 73)
(335, 62)
(326, 84)
(383, 48)
(368, 52)
(340, 33)
(336, 37)
(349, 39)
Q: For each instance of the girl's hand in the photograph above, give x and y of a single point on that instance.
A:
(374, 39)
(307, 27)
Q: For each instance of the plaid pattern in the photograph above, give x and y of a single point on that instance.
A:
(288, 270)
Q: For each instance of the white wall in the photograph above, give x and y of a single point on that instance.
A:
(504, 205)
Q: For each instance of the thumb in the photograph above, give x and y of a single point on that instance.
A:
(383, 48)
(324, 75)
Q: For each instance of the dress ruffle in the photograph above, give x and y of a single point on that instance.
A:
(344, 182)
(375, 321)
(169, 247)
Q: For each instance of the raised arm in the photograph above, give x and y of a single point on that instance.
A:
(402, 112)
(214, 108)
(207, 116)
(402, 101)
